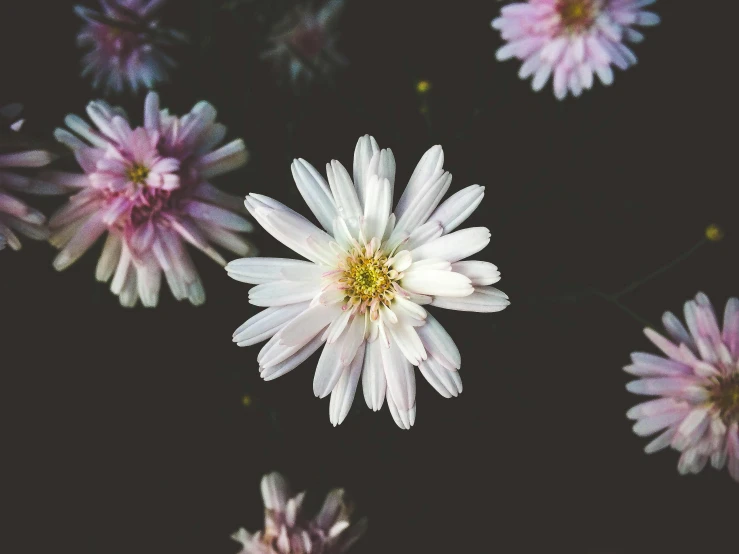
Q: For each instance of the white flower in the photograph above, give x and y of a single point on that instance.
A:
(367, 278)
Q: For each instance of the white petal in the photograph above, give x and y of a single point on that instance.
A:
(342, 396)
(479, 273)
(282, 293)
(447, 383)
(363, 154)
(483, 300)
(458, 207)
(374, 383)
(292, 361)
(422, 205)
(437, 283)
(439, 344)
(266, 323)
(258, 271)
(315, 192)
(407, 340)
(454, 246)
(401, 382)
(275, 491)
(377, 207)
(342, 187)
(329, 368)
(428, 169)
(304, 327)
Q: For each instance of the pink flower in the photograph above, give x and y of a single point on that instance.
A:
(148, 189)
(698, 382)
(572, 39)
(15, 215)
(125, 45)
(287, 531)
(303, 43)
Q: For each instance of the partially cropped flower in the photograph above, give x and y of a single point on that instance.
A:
(288, 531)
(303, 43)
(148, 189)
(126, 45)
(698, 382)
(15, 215)
(366, 280)
(572, 40)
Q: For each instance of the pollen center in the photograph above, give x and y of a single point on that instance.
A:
(138, 174)
(577, 15)
(725, 395)
(367, 278)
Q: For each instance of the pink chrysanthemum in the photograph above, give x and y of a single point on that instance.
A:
(368, 278)
(126, 45)
(287, 531)
(698, 381)
(572, 39)
(148, 188)
(15, 215)
(303, 43)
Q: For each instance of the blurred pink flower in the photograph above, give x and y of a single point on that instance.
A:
(15, 215)
(287, 531)
(369, 274)
(126, 45)
(572, 39)
(148, 188)
(698, 382)
(303, 43)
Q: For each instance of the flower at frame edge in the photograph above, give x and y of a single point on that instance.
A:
(697, 413)
(572, 40)
(367, 278)
(148, 188)
(15, 215)
(126, 45)
(287, 531)
(303, 43)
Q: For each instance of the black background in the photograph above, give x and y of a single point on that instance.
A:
(124, 430)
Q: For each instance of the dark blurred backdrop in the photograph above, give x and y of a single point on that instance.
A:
(126, 430)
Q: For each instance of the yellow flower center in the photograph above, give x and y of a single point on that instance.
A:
(138, 174)
(577, 14)
(725, 396)
(367, 278)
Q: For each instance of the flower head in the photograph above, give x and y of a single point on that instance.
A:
(367, 278)
(126, 45)
(288, 531)
(572, 40)
(303, 43)
(15, 215)
(698, 382)
(148, 189)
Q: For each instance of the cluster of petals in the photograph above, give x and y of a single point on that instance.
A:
(288, 531)
(17, 217)
(697, 381)
(571, 41)
(367, 276)
(148, 188)
(126, 46)
(303, 43)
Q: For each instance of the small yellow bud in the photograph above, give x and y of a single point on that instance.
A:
(246, 400)
(422, 87)
(714, 233)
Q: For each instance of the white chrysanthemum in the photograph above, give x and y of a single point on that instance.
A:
(367, 278)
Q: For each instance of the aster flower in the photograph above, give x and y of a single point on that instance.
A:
(148, 189)
(15, 215)
(572, 40)
(698, 385)
(303, 43)
(367, 278)
(287, 531)
(126, 45)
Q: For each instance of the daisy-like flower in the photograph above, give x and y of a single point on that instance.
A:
(15, 215)
(288, 531)
(126, 45)
(367, 278)
(698, 382)
(148, 189)
(572, 40)
(303, 43)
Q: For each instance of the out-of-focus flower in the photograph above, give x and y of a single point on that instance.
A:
(303, 43)
(572, 40)
(148, 188)
(368, 275)
(126, 45)
(422, 87)
(15, 215)
(698, 382)
(288, 531)
(714, 233)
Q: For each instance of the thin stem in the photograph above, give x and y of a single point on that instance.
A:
(613, 299)
(681, 258)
